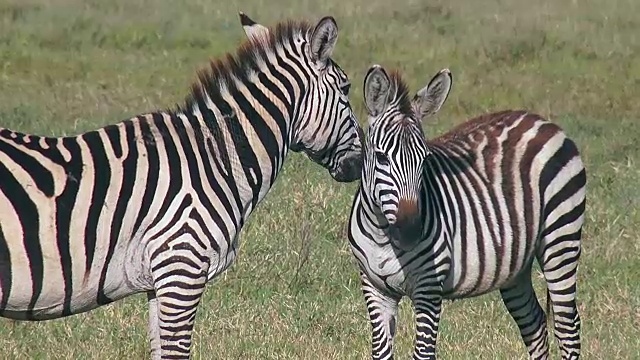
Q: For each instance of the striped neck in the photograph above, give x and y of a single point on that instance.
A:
(248, 135)
(246, 103)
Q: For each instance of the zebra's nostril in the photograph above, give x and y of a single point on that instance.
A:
(407, 210)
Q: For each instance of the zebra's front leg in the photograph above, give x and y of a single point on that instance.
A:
(154, 326)
(427, 305)
(383, 310)
(179, 281)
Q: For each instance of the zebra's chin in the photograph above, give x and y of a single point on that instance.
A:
(350, 169)
(406, 235)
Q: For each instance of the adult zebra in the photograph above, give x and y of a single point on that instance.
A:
(154, 204)
(465, 214)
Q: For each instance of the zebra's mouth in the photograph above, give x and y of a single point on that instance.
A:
(406, 234)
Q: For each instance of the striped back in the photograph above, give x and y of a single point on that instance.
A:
(323, 124)
(396, 145)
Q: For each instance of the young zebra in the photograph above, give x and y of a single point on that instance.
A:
(155, 203)
(465, 214)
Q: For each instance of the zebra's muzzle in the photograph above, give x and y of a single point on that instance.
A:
(407, 229)
(406, 235)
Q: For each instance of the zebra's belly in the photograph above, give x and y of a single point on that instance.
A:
(55, 305)
(56, 292)
(475, 278)
(50, 307)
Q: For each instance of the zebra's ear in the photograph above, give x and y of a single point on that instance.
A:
(251, 28)
(323, 39)
(431, 98)
(377, 87)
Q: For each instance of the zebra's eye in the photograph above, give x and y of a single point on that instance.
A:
(382, 158)
(345, 89)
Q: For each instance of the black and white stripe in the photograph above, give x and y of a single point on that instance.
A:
(154, 204)
(465, 214)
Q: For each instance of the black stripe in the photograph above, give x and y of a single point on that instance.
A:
(195, 215)
(437, 168)
(275, 90)
(196, 179)
(113, 134)
(52, 152)
(264, 132)
(40, 175)
(498, 222)
(129, 173)
(243, 149)
(566, 218)
(300, 82)
(567, 191)
(102, 181)
(220, 158)
(5, 271)
(172, 158)
(509, 190)
(288, 87)
(223, 197)
(28, 216)
(563, 155)
(175, 217)
(153, 173)
(65, 203)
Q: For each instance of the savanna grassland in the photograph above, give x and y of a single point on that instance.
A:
(68, 66)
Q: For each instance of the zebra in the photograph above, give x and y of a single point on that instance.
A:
(465, 214)
(155, 203)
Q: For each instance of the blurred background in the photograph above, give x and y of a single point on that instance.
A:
(68, 66)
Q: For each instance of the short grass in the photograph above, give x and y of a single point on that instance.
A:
(71, 65)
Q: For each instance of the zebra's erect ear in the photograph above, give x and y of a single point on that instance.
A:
(251, 28)
(377, 87)
(323, 39)
(431, 98)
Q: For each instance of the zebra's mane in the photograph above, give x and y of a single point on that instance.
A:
(228, 69)
(401, 95)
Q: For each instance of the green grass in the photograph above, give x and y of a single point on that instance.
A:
(71, 65)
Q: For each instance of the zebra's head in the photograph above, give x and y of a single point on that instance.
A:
(396, 147)
(324, 126)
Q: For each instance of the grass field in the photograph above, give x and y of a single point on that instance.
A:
(72, 65)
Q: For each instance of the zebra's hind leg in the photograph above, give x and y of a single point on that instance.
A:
(179, 283)
(383, 311)
(154, 326)
(523, 306)
(559, 263)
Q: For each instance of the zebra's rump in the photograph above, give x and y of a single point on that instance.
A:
(504, 179)
(63, 206)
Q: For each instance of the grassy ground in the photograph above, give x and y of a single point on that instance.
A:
(72, 65)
